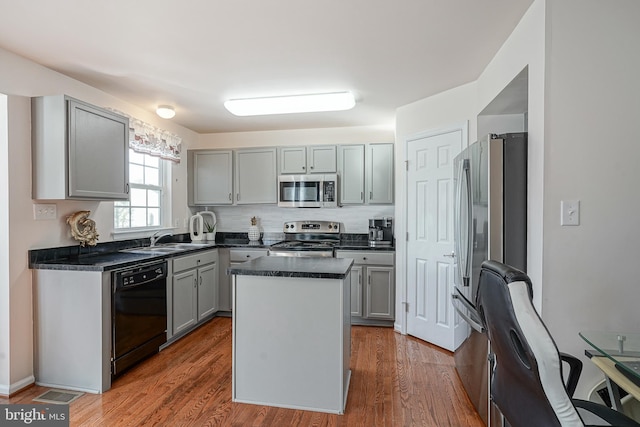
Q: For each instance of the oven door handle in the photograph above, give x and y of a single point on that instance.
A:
(475, 324)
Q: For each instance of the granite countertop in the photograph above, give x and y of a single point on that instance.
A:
(110, 256)
(106, 261)
(313, 268)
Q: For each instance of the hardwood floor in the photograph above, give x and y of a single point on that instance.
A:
(396, 381)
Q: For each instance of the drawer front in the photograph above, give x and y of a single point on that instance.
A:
(242, 255)
(195, 260)
(368, 257)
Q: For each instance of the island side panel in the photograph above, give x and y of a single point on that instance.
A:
(73, 329)
(289, 342)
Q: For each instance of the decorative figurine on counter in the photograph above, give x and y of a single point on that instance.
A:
(254, 230)
(83, 229)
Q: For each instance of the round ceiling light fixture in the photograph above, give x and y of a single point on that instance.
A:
(165, 111)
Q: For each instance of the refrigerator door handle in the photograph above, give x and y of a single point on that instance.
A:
(463, 245)
(475, 324)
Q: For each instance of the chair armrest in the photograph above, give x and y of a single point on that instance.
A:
(613, 418)
(575, 369)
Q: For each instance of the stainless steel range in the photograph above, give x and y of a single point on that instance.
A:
(307, 239)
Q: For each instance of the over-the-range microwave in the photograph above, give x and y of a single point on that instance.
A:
(308, 191)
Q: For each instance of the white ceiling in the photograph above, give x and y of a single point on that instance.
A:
(195, 54)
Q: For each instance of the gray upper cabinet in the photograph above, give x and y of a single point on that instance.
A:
(351, 172)
(379, 169)
(232, 177)
(79, 151)
(293, 160)
(210, 177)
(310, 159)
(366, 174)
(256, 176)
(321, 158)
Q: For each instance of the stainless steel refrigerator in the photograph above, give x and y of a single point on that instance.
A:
(490, 223)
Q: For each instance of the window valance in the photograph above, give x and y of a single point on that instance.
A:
(148, 139)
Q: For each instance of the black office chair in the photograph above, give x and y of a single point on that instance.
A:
(527, 382)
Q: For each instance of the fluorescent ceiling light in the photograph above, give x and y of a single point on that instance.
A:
(336, 101)
(165, 111)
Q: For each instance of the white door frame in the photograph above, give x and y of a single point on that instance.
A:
(401, 217)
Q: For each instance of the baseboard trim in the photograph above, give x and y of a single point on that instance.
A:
(8, 390)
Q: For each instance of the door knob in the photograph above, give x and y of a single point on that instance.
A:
(451, 255)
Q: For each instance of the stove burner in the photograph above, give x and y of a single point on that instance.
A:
(302, 248)
(303, 245)
(307, 239)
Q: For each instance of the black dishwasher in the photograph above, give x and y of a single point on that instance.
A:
(139, 314)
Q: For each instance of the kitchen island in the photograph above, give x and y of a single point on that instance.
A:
(292, 332)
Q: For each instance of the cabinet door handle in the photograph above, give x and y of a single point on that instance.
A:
(238, 196)
(304, 167)
(229, 196)
(126, 188)
(364, 258)
(370, 194)
(362, 195)
(248, 256)
(195, 282)
(200, 280)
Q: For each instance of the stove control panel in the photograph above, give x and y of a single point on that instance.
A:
(312, 227)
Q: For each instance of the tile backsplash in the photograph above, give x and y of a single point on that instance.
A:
(354, 219)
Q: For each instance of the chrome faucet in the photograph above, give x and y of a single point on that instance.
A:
(155, 237)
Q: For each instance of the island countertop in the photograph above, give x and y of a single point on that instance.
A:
(309, 267)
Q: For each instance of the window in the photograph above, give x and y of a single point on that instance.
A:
(147, 179)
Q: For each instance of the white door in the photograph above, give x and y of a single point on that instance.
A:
(430, 266)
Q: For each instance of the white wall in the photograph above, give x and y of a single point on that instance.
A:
(592, 153)
(22, 79)
(525, 47)
(5, 306)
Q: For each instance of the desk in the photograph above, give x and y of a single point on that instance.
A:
(618, 357)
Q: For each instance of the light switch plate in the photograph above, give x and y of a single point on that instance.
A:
(42, 211)
(570, 212)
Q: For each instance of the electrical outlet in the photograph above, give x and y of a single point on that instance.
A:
(43, 211)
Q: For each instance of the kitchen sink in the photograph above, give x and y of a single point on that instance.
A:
(151, 250)
(191, 245)
(166, 248)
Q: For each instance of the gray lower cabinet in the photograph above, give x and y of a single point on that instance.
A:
(194, 290)
(372, 285)
(227, 258)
